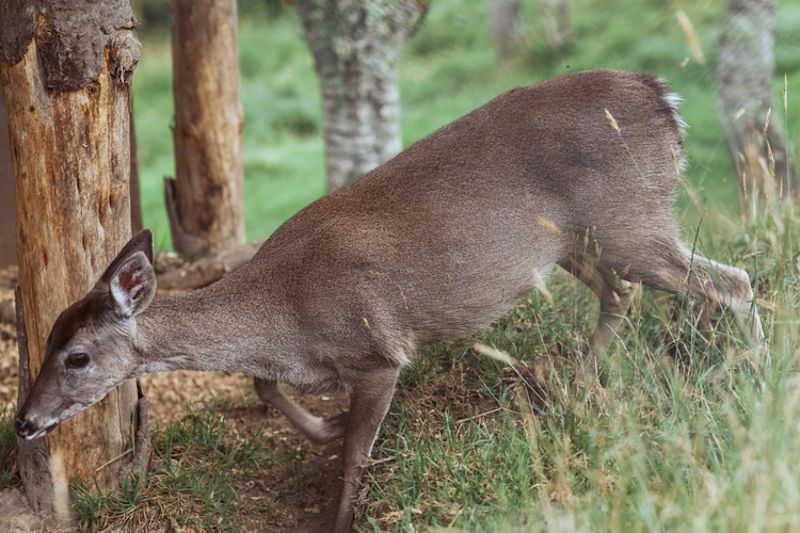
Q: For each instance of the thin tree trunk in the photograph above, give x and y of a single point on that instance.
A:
(205, 201)
(746, 65)
(136, 197)
(8, 246)
(556, 23)
(504, 22)
(65, 68)
(356, 46)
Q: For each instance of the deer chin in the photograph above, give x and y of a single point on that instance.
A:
(42, 432)
(66, 411)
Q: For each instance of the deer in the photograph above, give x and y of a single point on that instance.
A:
(578, 171)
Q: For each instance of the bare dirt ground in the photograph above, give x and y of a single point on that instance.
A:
(294, 496)
(15, 516)
(298, 494)
(9, 357)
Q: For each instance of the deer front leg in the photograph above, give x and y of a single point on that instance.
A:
(615, 297)
(318, 430)
(370, 397)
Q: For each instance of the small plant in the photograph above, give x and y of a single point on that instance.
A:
(8, 448)
(198, 460)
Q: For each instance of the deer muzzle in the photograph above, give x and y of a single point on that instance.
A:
(28, 430)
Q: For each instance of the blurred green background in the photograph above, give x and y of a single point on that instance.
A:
(449, 68)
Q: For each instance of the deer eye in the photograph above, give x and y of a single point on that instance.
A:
(77, 360)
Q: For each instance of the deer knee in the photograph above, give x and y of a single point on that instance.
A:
(732, 286)
(616, 297)
(267, 391)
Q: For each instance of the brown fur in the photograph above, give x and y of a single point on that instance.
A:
(437, 243)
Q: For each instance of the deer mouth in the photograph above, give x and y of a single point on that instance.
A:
(42, 432)
(28, 431)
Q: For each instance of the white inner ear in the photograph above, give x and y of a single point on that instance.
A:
(122, 298)
(130, 285)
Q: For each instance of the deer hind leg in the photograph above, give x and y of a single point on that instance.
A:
(370, 395)
(318, 430)
(674, 268)
(614, 295)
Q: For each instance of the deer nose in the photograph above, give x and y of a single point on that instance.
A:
(24, 428)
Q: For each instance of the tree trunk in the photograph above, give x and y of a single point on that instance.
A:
(205, 201)
(556, 24)
(8, 246)
(356, 46)
(746, 64)
(136, 197)
(65, 68)
(504, 22)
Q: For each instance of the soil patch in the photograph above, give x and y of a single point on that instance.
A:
(299, 490)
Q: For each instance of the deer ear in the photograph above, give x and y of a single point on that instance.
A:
(141, 242)
(130, 277)
(133, 285)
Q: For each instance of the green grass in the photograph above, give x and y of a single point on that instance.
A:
(8, 446)
(192, 486)
(692, 430)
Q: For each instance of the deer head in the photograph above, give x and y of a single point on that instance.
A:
(91, 348)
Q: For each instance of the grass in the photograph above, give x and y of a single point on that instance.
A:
(192, 486)
(692, 430)
(8, 445)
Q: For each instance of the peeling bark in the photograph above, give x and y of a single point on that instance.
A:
(66, 84)
(356, 46)
(71, 38)
(206, 197)
(746, 65)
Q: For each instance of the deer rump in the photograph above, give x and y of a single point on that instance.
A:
(442, 239)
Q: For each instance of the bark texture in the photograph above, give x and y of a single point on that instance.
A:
(357, 46)
(66, 83)
(746, 64)
(504, 22)
(205, 201)
(8, 247)
(136, 198)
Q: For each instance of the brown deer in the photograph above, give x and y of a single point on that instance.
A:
(578, 171)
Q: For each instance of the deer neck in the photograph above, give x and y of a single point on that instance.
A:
(206, 330)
